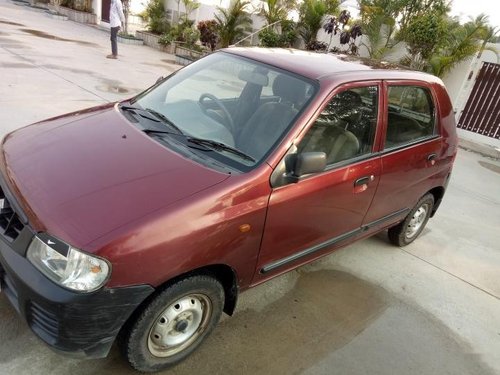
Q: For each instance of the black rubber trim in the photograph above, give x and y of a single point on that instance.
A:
(311, 250)
(384, 219)
(429, 138)
(279, 263)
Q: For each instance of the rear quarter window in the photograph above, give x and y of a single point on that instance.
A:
(411, 115)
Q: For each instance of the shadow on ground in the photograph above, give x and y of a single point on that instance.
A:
(323, 312)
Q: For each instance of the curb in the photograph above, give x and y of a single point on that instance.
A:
(479, 148)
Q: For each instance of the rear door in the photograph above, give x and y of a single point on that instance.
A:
(411, 151)
(324, 210)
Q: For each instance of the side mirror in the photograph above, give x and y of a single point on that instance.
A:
(294, 165)
(309, 162)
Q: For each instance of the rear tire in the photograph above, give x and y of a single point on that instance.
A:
(173, 324)
(410, 228)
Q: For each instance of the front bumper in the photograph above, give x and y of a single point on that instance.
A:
(81, 325)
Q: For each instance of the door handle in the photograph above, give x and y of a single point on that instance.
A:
(431, 157)
(364, 180)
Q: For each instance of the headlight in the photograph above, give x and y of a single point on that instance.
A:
(67, 267)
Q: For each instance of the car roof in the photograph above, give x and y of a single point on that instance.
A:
(325, 66)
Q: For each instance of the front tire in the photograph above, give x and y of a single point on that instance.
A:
(410, 228)
(173, 324)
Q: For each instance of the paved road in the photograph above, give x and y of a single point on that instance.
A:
(371, 308)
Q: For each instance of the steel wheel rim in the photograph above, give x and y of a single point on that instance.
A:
(179, 325)
(417, 221)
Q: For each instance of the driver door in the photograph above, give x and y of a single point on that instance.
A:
(322, 211)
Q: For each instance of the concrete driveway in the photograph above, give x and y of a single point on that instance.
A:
(371, 308)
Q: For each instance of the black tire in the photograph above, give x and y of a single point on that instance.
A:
(406, 232)
(141, 340)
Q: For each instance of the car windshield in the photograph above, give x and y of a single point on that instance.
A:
(236, 108)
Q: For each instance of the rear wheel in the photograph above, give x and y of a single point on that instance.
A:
(408, 230)
(174, 324)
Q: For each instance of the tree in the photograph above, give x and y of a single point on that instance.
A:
(461, 43)
(276, 10)
(311, 15)
(232, 22)
(488, 35)
(190, 6)
(280, 32)
(385, 22)
(156, 18)
(424, 36)
(126, 11)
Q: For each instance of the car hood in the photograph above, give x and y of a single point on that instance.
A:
(83, 175)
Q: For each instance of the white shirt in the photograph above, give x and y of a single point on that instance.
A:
(116, 16)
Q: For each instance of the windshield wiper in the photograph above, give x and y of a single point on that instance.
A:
(218, 146)
(164, 119)
(157, 117)
(136, 109)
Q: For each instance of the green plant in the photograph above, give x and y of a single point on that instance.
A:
(337, 25)
(314, 45)
(284, 39)
(183, 32)
(311, 15)
(424, 35)
(155, 16)
(232, 22)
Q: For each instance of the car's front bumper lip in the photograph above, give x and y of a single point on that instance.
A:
(83, 325)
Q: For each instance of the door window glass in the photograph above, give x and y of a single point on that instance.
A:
(346, 127)
(410, 115)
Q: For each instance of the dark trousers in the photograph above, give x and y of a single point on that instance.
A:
(114, 44)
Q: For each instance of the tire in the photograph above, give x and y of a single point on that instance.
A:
(173, 324)
(410, 228)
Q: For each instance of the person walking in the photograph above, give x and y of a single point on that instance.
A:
(116, 18)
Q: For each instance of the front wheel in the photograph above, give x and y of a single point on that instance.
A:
(174, 324)
(408, 230)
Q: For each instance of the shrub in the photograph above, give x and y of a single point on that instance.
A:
(314, 45)
(208, 33)
(183, 32)
(270, 38)
(155, 16)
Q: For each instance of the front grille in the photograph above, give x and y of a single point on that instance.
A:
(9, 288)
(43, 322)
(10, 225)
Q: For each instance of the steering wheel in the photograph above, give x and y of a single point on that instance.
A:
(226, 116)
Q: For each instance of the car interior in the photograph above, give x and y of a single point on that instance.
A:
(345, 128)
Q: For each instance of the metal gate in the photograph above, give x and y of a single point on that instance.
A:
(482, 112)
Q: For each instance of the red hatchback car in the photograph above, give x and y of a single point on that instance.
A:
(143, 220)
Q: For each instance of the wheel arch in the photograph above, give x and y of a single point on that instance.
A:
(225, 274)
(437, 193)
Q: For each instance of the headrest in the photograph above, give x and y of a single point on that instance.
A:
(289, 89)
(253, 77)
